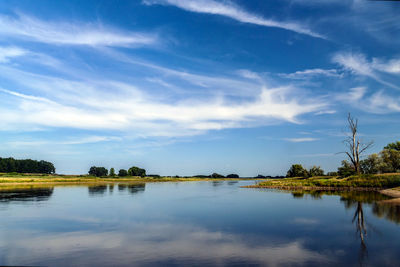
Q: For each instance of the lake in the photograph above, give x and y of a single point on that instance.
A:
(213, 223)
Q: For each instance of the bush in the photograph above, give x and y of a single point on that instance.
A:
(136, 171)
(297, 170)
(316, 171)
(232, 176)
(122, 173)
(217, 175)
(98, 171)
(346, 170)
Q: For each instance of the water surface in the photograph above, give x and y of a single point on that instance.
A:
(195, 224)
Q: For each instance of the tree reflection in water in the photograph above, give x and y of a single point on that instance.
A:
(390, 210)
(132, 188)
(382, 207)
(97, 190)
(25, 194)
(359, 220)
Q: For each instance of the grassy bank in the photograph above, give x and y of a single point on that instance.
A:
(33, 179)
(363, 182)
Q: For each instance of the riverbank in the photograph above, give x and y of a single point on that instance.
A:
(387, 184)
(361, 183)
(33, 179)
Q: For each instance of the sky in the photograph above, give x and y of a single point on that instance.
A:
(184, 87)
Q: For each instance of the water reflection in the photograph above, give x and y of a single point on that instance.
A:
(390, 210)
(25, 194)
(359, 220)
(97, 190)
(132, 188)
(232, 182)
(194, 224)
(101, 190)
(382, 207)
(217, 183)
(165, 244)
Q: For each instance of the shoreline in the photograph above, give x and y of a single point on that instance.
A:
(311, 188)
(48, 181)
(394, 193)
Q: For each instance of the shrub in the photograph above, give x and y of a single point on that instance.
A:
(98, 171)
(136, 171)
(122, 173)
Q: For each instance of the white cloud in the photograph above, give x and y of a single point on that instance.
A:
(353, 95)
(301, 139)
(304, 74)
(379, 102)
(105, 104)
(76, 141)
(391, 66)
(63, 33)
(235, 12)
(7, 52)
(354, 62)
(360, 65)
(249, 74)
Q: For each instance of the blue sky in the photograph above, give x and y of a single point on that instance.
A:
(196, 86)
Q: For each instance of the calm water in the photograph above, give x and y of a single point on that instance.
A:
(195, 224)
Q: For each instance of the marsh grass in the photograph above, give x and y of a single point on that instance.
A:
(14, 178)
(380, 181)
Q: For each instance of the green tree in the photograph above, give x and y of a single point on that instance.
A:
(316, 171)
(136, 171)
(297, 170)
(372, 164)
(112, 172)
(122, 173)
(217, 175)
(346, 169)
(233, 175)
(98, 171)
(395, 146)
(391, 160)
(26, 166)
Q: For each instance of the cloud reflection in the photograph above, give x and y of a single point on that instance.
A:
(157, 244)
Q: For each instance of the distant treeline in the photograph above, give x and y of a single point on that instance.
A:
(26, 166)
(217, 175)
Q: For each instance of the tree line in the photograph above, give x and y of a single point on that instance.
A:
(26, 166)
(386, 161)
(102, 171)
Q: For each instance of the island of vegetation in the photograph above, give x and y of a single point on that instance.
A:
(376, 172)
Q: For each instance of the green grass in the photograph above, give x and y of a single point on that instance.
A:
(23, 179)
(362, 181)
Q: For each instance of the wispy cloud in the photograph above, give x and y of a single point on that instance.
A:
(7, 52)
(66, 33)
(301, 139)
(235, 12)
(76, 141)
(378, 102)
(309, 73)
(358, 64)
(92, 105)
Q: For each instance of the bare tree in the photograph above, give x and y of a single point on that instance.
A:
(355, 146)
